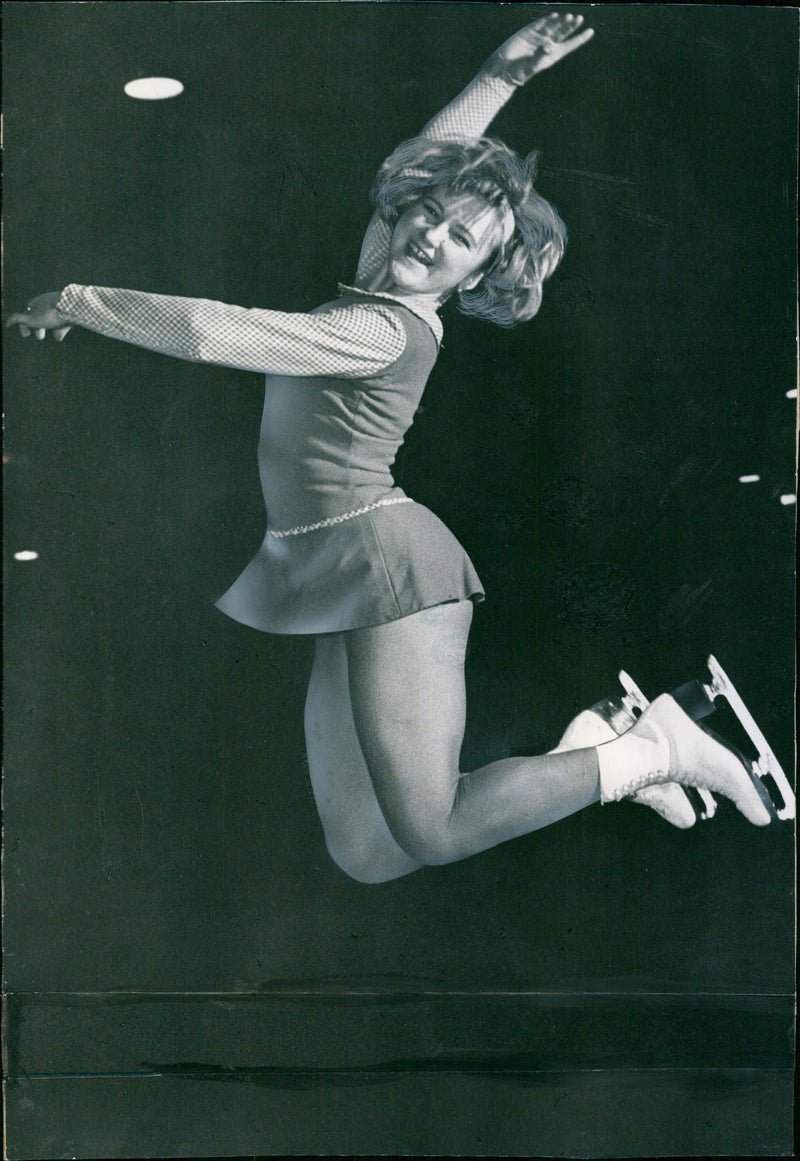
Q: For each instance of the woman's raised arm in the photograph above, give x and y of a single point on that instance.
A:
(534, 48)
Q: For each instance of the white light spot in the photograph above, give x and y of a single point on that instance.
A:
(749, 479)
(789, 498)
(26, 555)
(153, 88)
(792, 394)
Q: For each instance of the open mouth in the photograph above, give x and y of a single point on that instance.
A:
(419, 255)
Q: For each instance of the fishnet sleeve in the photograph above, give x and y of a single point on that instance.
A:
(353, 342)
(469, 115)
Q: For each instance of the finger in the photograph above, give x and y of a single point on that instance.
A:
(567, 25)
(552, 23)
(577, 41)
(24, 331)
(61, 333)
(40, 332)
(15, 319)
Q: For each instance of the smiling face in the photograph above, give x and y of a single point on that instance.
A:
(442, 243)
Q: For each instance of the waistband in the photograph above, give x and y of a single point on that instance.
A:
(301, 529)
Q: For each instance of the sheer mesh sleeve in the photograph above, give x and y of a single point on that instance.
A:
(352, 342)
(469, 115)
(472, 111)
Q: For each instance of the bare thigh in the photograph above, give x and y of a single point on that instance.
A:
(356, 833)
(409, 706)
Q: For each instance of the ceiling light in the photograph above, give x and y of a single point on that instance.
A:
(153, 88)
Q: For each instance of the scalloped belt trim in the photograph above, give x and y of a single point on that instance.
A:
(303, 528)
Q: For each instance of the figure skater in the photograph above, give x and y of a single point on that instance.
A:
(376, 578)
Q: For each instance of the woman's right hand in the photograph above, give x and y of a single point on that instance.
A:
(538, 46)
(40, 317)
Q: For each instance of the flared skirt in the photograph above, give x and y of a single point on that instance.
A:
(376, 567)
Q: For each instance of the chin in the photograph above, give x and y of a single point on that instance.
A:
(406, 282)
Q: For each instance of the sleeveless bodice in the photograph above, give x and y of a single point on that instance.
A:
(327, 445)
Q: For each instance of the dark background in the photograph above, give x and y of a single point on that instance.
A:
(607, 986)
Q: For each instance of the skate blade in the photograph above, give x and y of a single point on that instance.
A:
(749, 766)
(636, 703)
(766, 764)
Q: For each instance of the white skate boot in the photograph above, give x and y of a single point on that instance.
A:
(666, 746)
(605, 721)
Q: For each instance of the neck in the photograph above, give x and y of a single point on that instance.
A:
(383, 283)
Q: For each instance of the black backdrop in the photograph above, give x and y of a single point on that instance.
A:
(605, 987)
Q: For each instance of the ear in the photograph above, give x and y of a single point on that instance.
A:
(471, 282)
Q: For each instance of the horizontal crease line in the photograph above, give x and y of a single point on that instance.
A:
(367, 1070)
(333, 992)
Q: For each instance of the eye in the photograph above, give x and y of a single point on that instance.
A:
(462, 240)
(431, 209)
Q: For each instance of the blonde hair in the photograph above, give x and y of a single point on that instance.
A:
(510, 290)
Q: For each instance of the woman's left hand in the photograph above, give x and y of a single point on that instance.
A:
(40, 317)
(538, 46)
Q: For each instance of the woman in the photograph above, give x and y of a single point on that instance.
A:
(383, 586)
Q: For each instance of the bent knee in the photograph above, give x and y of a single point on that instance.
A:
(370, 864)
(432, 846)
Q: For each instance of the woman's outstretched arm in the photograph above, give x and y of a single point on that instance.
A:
(534, 48)
(352, 341)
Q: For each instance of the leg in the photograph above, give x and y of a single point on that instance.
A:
(356, 834)
(408, 698)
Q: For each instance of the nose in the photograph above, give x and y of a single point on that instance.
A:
(435, 232)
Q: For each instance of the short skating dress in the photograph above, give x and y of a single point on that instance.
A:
(345, 548)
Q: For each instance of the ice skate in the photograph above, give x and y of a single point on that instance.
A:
(666, 746)
(606, 720)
